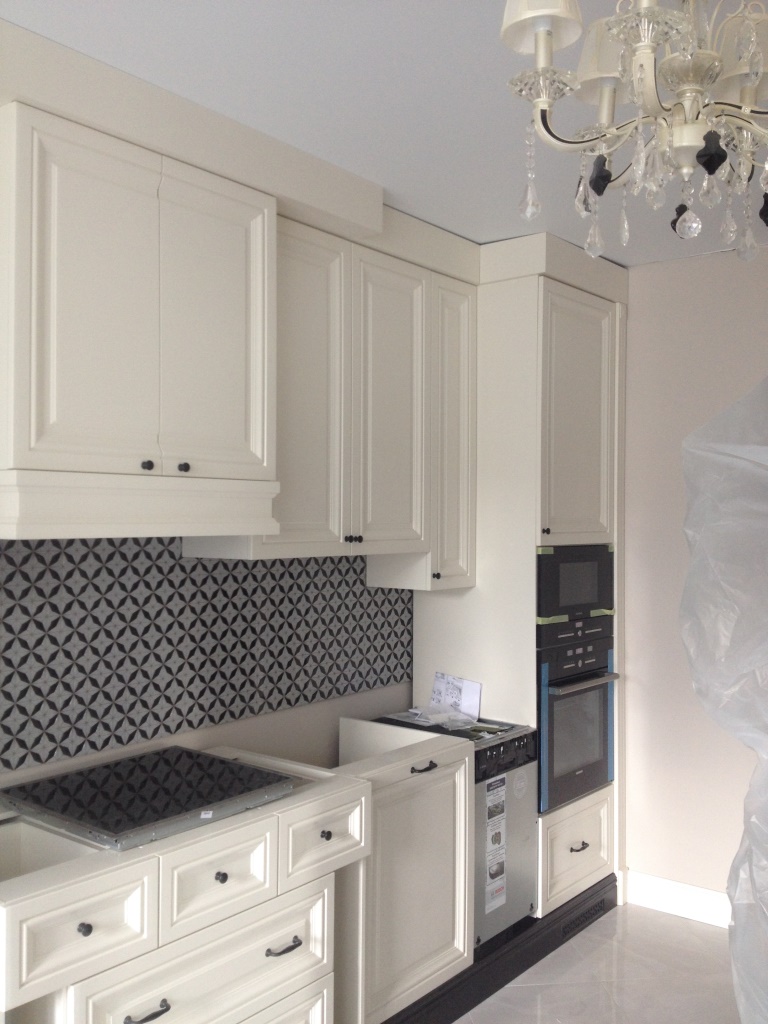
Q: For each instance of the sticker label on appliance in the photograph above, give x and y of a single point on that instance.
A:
(495, 843)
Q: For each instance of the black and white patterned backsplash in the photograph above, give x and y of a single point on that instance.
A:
(109, 642)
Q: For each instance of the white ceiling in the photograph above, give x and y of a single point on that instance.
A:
(410, 94)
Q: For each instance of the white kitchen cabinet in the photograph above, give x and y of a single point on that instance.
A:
(575, 848)
(407, 919)
(353, 404)
(579, 339)
(90, 936)
(222, 975)
(450, 561)
(139, 350)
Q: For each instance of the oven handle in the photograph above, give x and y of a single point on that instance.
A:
(583, 684)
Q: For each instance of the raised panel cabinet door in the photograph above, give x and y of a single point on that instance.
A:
(217, 252)
(578, 415)
(85, 297)
(390, 463)
(453, 443)
(418, 904)
(314, 380)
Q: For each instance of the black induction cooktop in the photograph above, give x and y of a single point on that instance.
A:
(126, 803)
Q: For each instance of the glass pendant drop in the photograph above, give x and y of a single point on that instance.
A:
(582, 200)
(747, 249)
(529, 206)
(623, 221)
(689, 225)
(710, 194)
(764, 178)
(729, 228)
(594, 245)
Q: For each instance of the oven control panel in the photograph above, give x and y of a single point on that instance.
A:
(504, 755)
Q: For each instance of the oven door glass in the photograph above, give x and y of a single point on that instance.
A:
(577, 757)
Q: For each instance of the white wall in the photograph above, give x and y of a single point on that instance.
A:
(697, 340)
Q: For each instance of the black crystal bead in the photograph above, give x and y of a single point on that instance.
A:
(712, 155)
(601, 177)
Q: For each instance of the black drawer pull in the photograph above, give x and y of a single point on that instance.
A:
(184, 467)
(85, 929)
(294, 944)
(147, 464)
(326, 834)
(420, 771)
(164, 1008)
(221, 876)
(580, 849)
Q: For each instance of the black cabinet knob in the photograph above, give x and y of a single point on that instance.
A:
(359, 539)
(546, 529)
(85, 929)
(326, 834)
(436, 576)
(348, 538)
(221, 876)
(184, 467)
(147, 464)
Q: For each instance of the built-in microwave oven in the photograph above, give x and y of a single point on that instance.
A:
(574, 581)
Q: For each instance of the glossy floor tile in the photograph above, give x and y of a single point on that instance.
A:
(633, 966)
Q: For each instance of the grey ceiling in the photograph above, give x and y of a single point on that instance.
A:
(410, 94)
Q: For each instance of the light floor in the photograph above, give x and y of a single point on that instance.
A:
(633, 966)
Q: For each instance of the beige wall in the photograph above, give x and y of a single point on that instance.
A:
(697, 340)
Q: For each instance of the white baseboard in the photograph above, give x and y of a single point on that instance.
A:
(677, 898)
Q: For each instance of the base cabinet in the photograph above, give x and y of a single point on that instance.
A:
(408, 915)
(221, 975)
(575, 848)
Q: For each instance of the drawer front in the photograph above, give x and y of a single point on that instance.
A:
(206, 881)
(313, 1005)
(60, 937)
(576, 848)
(330, 835)
(223, 974)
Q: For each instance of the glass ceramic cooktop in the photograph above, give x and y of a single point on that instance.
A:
(129, 802)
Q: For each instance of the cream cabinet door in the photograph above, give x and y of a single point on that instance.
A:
(390, 458)
(216, 326)
(418, 902)
(314, 394)
(83, 341)
(579, 352)
(450, 561)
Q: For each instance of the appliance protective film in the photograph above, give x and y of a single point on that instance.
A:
(724, 620)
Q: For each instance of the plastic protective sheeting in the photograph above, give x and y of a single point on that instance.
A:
(724, 618)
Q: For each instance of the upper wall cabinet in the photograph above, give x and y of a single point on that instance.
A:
(139, 345)
(450, 561)
(353, 412)
(579, 337)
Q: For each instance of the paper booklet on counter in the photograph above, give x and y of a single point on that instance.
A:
(453, 704)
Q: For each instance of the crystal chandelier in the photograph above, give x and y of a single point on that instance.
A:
(697, 120)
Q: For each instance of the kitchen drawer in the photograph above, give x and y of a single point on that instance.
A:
(323, 837)
(313, 1005)
(575, 848)
(205, 880)
(66, 933)
(223, 974)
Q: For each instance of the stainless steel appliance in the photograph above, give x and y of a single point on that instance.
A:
(126, 803)
(506, 798)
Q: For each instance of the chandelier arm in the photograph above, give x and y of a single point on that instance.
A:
(613, 137)
(736, 111)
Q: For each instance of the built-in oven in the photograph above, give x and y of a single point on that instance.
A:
(575, 737)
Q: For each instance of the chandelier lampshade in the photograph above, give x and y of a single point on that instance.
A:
(698, 115)
(524, 18)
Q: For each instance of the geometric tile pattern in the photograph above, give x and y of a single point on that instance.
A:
(107, 642)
